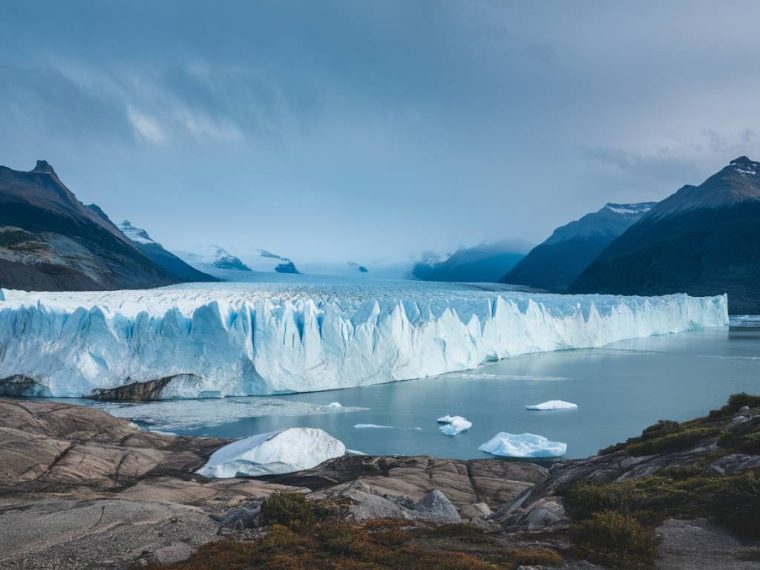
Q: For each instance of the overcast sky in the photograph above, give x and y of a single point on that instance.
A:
(365, 130)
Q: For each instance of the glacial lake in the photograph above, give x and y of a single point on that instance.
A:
(620, 389)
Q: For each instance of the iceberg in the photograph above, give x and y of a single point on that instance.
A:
(523, 445)
(238, 339)
(376, 426)
(552, 405)
(454, 425)
(286, 451)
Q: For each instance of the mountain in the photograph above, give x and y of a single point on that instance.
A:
(555, 263)
(702, 240)
(218, 262)
(482, 263)
(267, 261)
(377, 269)
(49, 240)
(160, 256)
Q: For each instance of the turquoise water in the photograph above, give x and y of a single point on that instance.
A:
(619, 389)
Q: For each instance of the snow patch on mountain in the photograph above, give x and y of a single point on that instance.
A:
(138, 235)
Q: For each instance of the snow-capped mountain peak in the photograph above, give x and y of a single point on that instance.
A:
(744, 165)
(214, 256)
(734, 184)
(138, 235)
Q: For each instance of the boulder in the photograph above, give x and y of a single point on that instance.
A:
(435, 506)
(733, 463)
(475, 511)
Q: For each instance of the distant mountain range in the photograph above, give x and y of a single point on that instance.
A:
(702, 240)
(554, 264)
(481, 263)
(49, 240)
(219, 262)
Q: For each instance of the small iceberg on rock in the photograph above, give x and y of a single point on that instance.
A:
(523, 445)
(285, 451)
(334, 405)
(552, 405)
(454, 425)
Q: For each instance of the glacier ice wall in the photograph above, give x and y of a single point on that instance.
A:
(270, 338)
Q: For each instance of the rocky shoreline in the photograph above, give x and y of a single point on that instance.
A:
(82, 489)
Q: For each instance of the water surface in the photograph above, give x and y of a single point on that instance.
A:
(619, 389)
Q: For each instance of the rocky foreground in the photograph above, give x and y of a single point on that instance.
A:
(82, 489)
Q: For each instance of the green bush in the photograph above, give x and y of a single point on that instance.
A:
(582, 500)
(675, 441)
(289, 509)
(661, 428)
(616, 540)
(735, 403)
(736, 504)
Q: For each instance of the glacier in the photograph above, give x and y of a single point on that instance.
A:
(235, 339)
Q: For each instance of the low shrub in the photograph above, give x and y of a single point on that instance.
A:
(674, 441)
(536, 557)
(616, 540)
(289, 509)
(661, 428)
(735, 403)
(736, 504)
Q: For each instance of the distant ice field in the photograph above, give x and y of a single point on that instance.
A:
(297, 335)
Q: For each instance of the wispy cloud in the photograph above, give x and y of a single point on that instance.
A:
(145, 127)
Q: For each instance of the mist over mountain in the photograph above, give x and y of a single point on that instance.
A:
(556, 262)
(701, 240)
(481, 263)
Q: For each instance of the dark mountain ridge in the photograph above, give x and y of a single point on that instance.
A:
(701, 240)
(555, 263)
(49, 240)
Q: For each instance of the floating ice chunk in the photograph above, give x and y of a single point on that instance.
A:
(455, 425)
(286, 451)
(335, 405)
(445, 419)
(376, 426)
(552, 405)
(523, 445)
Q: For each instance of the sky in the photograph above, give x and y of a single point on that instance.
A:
(374, 130)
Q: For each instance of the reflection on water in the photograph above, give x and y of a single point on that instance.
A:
(619, 389)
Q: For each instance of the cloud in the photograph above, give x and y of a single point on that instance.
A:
(145, 127)
(677, 156)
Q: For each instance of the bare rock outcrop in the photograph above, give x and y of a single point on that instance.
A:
(490, 481)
